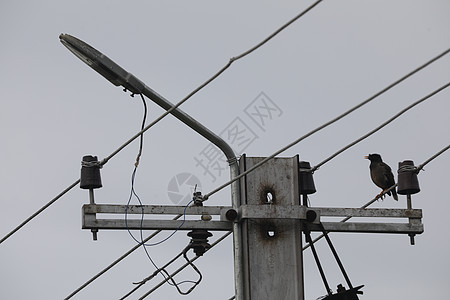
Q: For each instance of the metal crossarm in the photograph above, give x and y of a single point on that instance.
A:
(92, 217)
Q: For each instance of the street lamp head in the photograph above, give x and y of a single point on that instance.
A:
(102, 64)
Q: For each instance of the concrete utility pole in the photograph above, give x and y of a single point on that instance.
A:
(272, 260)
(266, 216)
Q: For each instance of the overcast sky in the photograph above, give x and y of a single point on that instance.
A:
(55, 109)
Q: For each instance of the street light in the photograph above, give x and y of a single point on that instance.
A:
(102, 64)
(119, 77)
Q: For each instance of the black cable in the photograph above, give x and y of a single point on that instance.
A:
(40, 210)
(163, 272)
(382, 125)
(212, 78)
(420, 167)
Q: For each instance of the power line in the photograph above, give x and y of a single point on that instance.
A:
(137, 246)
(277, 31)
(40, 210)
(206, 196)
(212, 78)
(420, 167)
(381, 126)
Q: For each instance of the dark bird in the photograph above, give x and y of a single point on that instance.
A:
(381, 174)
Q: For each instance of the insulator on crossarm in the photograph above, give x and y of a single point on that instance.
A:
(306, 181)
(408, 182)
(90, 173)
(199, 241)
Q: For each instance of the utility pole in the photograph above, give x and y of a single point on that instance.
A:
(266, 216)
(272, 260)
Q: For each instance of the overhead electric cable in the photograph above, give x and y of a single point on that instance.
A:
(206, 196)
(212, 78)
(420, 167)
(134, 248)
(381, 126)
(40, 210)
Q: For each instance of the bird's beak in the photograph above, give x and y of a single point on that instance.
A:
(366, 157)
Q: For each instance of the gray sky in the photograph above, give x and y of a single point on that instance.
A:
(55, 109)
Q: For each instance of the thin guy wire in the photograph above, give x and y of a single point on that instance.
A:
(381, 126)
(206, 196)
(185, 265)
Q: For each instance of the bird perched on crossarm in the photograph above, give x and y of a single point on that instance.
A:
(381, 174)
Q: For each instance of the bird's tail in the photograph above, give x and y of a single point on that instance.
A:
(394, 194)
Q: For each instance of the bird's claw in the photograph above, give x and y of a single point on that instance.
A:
(380, 196)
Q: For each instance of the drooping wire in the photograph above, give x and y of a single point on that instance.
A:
(133, 193)
(133, 176)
